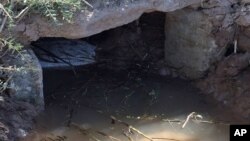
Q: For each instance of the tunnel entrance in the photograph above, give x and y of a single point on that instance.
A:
(129, 51)
(127, 83)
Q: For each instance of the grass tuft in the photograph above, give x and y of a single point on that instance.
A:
(13, 11)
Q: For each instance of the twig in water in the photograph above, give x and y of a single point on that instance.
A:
(196, 117)
(108, 136)
(127, 135)
(191, 115)
(57, 138)
(175, 120)
(86, 132)
(196, 120)
(130, 127)
(212, 122)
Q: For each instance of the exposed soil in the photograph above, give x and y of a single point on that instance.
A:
(16, 118)
(229, 83)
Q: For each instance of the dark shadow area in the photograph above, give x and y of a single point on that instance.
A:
(230, 50)
(138, 45)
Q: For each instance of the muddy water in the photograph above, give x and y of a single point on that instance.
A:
(88, 98)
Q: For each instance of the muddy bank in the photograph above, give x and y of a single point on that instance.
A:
(16, 118)
(228, 82)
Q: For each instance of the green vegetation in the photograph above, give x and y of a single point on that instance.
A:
(11, 44)
(54, 9)
(13, 11)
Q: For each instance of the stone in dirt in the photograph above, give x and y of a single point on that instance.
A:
(25, 72)
(104, 15)
(190, 47)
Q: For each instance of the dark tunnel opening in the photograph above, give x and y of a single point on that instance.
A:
(122, 77)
